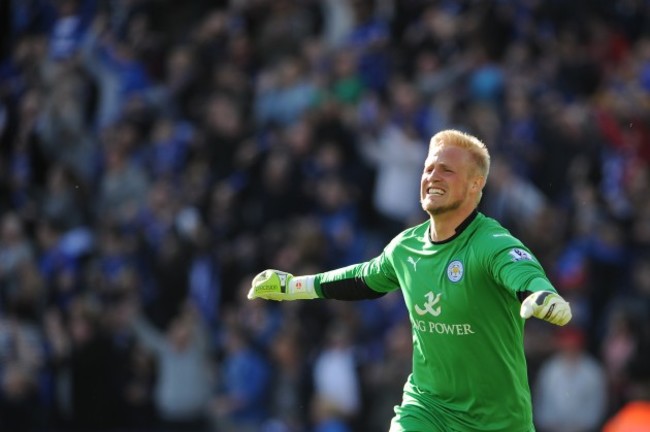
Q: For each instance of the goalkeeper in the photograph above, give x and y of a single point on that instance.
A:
(468, 285)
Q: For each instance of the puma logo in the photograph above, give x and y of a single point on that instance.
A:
(411, 260)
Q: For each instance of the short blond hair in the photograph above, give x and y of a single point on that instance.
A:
(475, 146)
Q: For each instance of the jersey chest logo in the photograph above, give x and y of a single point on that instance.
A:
(428, 307)
(455, 271)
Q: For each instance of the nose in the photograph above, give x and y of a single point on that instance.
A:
(431, 175)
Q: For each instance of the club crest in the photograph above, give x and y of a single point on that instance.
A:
(455, 271)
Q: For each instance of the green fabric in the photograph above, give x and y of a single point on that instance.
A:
(469, 368)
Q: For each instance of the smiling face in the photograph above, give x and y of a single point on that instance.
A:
(450, 180)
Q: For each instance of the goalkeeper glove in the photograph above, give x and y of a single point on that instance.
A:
(548, 306)
(278, 285)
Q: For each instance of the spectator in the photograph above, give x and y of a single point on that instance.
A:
(18, 396)
(397, 153)
(15, 248)
(635, 413)
(289, 387)
(113, 62)
(73, 17)
(123, 187)
(571, 387)
(284, 94)
(183, 381)
(337, 390)
(64, 198)
(513, 198)
(385, 377)
(243, 384)
(95, 397)
(623, 340)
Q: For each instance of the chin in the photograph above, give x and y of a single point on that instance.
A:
(434, 209)
(430, 208)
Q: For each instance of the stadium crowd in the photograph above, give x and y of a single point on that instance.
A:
(156, 154)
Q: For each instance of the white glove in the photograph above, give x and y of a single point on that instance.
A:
(278, 285)
(547, 306)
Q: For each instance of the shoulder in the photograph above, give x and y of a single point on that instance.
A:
(408, 241)
(491, 235)
(414, 234)
(493, 241)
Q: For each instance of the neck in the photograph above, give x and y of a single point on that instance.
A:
(445, 226)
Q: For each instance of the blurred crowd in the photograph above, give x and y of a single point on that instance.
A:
(155, 155)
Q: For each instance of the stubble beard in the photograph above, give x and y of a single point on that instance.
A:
(445, 208)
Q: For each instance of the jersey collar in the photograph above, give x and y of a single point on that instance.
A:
(459, 229)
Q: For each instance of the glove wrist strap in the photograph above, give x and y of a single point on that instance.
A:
(302, 287)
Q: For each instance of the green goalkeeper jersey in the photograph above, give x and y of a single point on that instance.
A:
(469, 369)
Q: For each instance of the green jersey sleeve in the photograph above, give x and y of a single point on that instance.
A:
(378, 274)
(513, 265)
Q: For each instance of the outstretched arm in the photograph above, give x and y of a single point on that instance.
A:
(278, 285)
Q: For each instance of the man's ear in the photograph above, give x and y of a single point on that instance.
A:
(478, 183)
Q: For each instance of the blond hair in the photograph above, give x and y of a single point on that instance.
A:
(477, 149)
